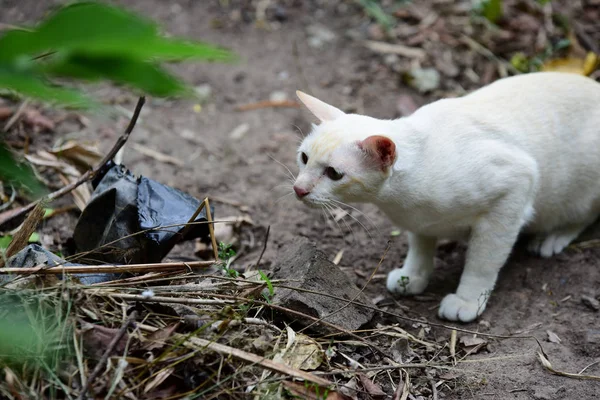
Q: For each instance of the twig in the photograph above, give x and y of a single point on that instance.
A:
(434, 391)
(88, 175)
(546, 363)
(268, 104)
(15, 117)
(22, 236)
(106, 354)
(264, 246)
(94, 269)
(398, 49)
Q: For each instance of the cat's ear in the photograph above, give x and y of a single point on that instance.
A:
(322, 110)
(380, 149)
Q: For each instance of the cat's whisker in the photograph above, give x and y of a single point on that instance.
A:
(301, 133)
(327, 207)
(335, 208)
(341, 203)
(285, 196)
(289, 172)
(286, 186)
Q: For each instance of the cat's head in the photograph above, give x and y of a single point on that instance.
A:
(347, 158)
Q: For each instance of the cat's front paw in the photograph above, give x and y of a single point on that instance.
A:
(455, 308)
(399, 281)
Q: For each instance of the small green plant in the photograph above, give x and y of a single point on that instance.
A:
(374, 10)
(226, 253)
(267, 296)
(404, 281)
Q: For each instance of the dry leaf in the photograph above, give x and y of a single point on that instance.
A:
(370, 387)
(582, 66)
(301, 352)
(35, 118)
(157, 339)
(470, 341)
(553, 337)
(158, 379)
(81, 155)
(96, 339)
(5, 112)
(309, 392)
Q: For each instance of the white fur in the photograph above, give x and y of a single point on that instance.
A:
(520, 155)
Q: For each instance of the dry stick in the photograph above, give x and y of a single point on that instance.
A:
(253, 358)
(106, 354)
(21, 238)
(94, 269)
(16, 115)
(88, 175)
(211, 225)
(387, 248)
(264, 246)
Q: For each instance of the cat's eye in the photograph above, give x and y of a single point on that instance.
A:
(304, 158)
(333, 174)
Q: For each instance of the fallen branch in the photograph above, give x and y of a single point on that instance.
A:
(88, 175)
(94, 269)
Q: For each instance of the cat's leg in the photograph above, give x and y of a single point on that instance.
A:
(414, 275)
(548, 244)
(490, 244)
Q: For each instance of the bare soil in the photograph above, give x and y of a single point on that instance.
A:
(533, 296)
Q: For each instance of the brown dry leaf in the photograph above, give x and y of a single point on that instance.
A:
(157, 340)
(309, 392)
(5, 112)
(582, 66)
(301, 352)
(470, 341)
(370, 387)
(81, 155)
(553, 337)
(36, 119)
(158, 379)
(96, 339)
(81, 194)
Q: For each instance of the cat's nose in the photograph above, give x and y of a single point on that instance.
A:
(300, 192)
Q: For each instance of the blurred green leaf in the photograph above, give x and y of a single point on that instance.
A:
(30, 332)
(32, 85)
(99, 29)
(34, 238)
(374, 10)
(143, 75)
(491, 10)
(4, 242)
(18, 173)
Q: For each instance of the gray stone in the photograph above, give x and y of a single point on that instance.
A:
(309, 268)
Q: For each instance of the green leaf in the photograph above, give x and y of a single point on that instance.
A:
(140, 74)
(31, 85)
(99, 29)
(492, 10)
(265, 278)
(17, 173)
(34, 238)
(4, 242)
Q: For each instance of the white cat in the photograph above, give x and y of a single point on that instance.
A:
(520, 155)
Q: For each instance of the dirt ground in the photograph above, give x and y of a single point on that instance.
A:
(533, 295)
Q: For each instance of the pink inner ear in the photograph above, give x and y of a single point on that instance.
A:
(381, 149)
